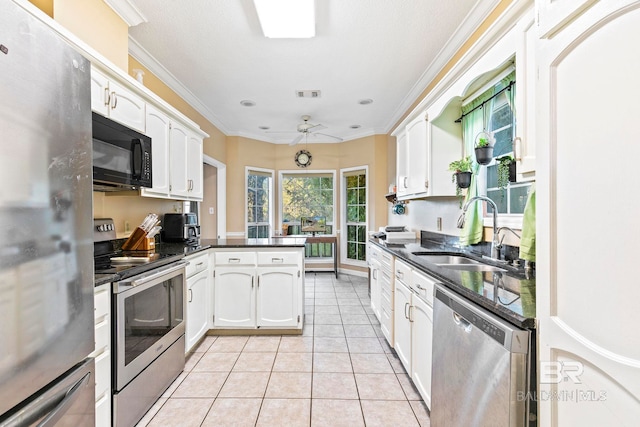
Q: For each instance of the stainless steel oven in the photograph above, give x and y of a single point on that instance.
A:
(148, 339)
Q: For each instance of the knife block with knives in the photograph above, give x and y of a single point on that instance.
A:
(143, 237)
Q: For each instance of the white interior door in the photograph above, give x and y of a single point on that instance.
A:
(587, 220)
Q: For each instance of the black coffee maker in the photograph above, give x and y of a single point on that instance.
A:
(180, 228)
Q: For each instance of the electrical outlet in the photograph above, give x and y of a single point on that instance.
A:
(127, 227)
(212, 211)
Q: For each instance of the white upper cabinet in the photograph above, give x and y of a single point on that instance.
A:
(176, 157)
(553, 15)
(111, 99)
(158, 127)
(524, 143)
(424, 151)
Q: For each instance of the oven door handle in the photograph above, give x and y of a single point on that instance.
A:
(154, 276)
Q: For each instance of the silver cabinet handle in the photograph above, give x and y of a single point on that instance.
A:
(252, 282)
(516, 146)
(406, 305)
(199, 264)
(234, 260)
(405, 182)
(114, 99)
(399, 274)
(421, 288)
(278, 260)
(107, 96)
(411, 314)
(190, 295)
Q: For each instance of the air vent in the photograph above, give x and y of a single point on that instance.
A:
(308, 94)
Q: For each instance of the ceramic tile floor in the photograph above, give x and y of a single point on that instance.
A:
(340, 372)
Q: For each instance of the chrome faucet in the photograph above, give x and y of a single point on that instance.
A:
(495, 244)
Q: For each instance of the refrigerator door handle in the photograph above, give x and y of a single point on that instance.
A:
(61, 408)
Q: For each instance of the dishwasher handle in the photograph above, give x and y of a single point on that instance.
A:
(461, 321)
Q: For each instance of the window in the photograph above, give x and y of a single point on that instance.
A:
(512, 198)
(259, 201)
(308, 195)
(492, 111)
(355, 214)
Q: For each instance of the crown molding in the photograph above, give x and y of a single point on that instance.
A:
(127, 11)
(470, 24)
(153, 65)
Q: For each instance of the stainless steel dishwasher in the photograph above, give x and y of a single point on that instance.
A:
(480, 366)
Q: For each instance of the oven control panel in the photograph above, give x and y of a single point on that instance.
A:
(103, 229)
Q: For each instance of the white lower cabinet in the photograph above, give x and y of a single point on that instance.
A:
(102, 354)
(413, 325)
(277, 301)
(374, 283)
(234, 297)
(259, 289)
(197, 318)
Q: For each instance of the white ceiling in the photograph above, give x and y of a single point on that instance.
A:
(213, 53)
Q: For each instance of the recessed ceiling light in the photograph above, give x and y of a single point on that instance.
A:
(289, 19)
(365, 101)
(264, 127)
(355, 126)
(247, 103)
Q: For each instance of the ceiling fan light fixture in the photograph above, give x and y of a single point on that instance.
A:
(289, 19)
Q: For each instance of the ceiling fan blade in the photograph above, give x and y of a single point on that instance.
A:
(330, 136)
(315, 128)
(281, 131)
(296, 139)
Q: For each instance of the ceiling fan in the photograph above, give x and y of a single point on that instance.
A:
(305, 129)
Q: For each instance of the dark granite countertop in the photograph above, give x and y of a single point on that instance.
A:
(514, 300)
(171, 252)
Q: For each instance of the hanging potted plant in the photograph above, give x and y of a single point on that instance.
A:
(461, 174)
(506, 171)
(484, 148)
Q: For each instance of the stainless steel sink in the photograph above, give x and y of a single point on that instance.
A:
(471, 267)
(457, 262)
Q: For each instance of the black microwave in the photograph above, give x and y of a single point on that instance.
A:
(121, 156)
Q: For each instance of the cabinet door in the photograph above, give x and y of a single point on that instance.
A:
(376, 296)
(579, 354)
(194, 167)
(418, 156)
(421, 346)
(402, 165)
(158, 127)
(278, 301)
(402, 326)
(126, 107)
(196, 308)
(234, 297)
(524, 144)
(554, 14)
(99, 92)
(178, 167)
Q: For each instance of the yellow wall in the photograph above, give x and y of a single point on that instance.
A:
(96, 24)
(44, 5)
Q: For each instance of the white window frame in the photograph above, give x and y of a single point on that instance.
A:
(343, 214)
(504, 220)
(271, 172)
(334, 229)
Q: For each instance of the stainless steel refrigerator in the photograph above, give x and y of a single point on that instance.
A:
(46, 240)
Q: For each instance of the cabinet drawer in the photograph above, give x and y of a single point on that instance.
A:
(103, 335)
(278, 258)
(197, 263)
(402, 272)
(235, 258)
(385, 297)
(102, 302)
(103, 374)
(386, 260)
(423, 285)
